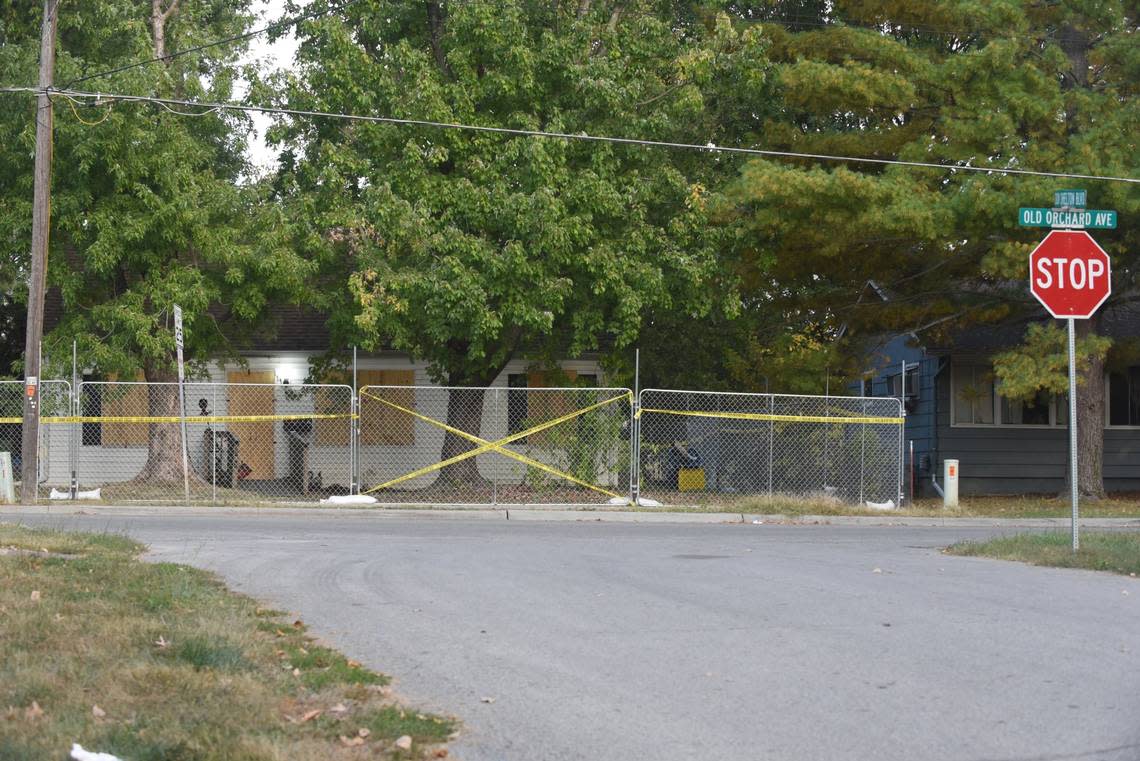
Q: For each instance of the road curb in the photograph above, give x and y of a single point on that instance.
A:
(561, 514)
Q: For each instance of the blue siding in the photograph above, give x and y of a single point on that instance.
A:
(921, 413)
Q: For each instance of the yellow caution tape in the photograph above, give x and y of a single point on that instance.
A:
(778, 418)
(176, 419)
(497, 446)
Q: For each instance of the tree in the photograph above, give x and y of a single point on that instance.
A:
(1007, 85)
(467, 249)
(148, 206)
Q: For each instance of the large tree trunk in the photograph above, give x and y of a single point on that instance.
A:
(1090, 421)
(464, 412)
(164, 440)
(1090, 386)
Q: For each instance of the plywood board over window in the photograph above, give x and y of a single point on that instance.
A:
(379, 422)
(256, 443)
(545, 406)
(124, 400)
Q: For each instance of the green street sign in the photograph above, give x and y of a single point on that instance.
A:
(1080, 219)
(1069, 199)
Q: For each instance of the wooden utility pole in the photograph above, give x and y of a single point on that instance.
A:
(41, 218)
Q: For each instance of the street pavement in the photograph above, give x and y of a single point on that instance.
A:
(599, 640)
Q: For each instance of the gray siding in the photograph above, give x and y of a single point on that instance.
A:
(1001, 460)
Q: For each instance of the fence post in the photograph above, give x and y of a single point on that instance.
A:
(635, 432)
(862, 454)
(771, 442)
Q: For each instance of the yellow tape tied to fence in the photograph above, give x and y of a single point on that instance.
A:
(176, 419)
(778, 418)
(496, 446)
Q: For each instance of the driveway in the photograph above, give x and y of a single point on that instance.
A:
(594, 640)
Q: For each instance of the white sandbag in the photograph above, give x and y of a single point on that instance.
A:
(349, 499)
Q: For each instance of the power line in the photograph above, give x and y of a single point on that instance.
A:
(215, 43)
(582, 136)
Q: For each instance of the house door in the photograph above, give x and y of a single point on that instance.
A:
(257, 447)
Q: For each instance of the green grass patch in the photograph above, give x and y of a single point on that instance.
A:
(160, 661)
(1015, 507)
(1117, 552)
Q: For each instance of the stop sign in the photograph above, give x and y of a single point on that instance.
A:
(1070, 274)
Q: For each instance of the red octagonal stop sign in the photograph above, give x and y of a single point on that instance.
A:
(1070, 274)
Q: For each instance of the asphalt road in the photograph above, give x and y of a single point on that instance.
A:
(619, 641)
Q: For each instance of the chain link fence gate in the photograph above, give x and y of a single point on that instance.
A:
(497, 445)
(719, 448)
(245, 442)
(55, 435)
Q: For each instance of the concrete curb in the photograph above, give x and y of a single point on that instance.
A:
(560, 514)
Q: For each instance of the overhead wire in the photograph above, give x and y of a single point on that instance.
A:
(580, 136)
(205, 46)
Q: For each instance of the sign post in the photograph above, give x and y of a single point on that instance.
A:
(1071, 276)
(182, 402)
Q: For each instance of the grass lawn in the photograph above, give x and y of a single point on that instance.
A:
(159, 662)
(1118, 552)
(970, 507)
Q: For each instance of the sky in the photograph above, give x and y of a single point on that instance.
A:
(276, 55)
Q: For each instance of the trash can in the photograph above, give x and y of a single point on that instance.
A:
(684, 468)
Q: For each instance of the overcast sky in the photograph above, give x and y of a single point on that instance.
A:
(278, 55)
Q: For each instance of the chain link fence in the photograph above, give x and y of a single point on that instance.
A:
(55, 431)
(245, 442)
(402, 444)
(718, 448)
(438, 445)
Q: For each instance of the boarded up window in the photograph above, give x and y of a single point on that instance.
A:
(124, 400)
(256, 442)
(381, 423)
(545, 406)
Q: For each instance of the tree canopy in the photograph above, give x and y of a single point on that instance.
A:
(1006, 85)
(148, 206)
(466, 248)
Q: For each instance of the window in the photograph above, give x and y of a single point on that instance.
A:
(972, 388)
(976, 402)
(1124, 397)
(516, 402)
(1032, 412)
(92, 433)
(911, 383)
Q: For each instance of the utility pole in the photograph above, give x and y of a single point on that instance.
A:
(41, 218)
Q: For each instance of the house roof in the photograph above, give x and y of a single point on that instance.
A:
(1122, 321)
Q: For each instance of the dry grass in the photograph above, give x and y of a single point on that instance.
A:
(971, 507)
(1117, 552)
(177, 666)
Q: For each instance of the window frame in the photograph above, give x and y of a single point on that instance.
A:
(1108, 404)
(1054, 418)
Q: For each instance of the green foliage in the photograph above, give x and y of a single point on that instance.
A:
(592, 447)
(465, 249)
(148, 207)
(1003, 85)
(1041, 362)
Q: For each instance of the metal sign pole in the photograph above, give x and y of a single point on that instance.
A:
(1073, 430)
(182, 402)
(635, 433)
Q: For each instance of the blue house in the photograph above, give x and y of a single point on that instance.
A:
(1004, 446)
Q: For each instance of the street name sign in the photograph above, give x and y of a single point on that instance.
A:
(1091, 219)
(1071, 199)
(1070, 274)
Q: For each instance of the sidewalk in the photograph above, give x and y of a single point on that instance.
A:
(559, 513)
